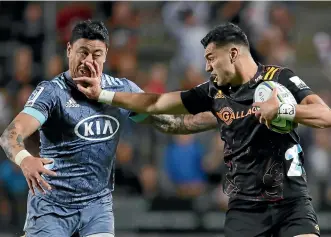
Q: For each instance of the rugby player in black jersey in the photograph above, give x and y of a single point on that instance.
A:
(266, 180)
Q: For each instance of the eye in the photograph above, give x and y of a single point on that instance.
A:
(84, 53)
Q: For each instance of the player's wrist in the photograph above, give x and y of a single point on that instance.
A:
(286, 111)
(21, 156)
(106, 96)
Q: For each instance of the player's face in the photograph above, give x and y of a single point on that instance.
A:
(82, 51)
(219, 63)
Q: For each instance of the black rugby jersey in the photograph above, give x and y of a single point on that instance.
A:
(263, 165)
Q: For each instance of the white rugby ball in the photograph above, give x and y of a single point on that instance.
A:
(264, 91)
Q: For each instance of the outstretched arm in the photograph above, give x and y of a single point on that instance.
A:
(184, 123)
(168, 103)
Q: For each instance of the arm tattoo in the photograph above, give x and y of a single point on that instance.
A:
(20, 141)
(184, 123)
(11, 140)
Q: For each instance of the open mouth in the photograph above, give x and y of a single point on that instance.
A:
(213, 77)
(84, 71)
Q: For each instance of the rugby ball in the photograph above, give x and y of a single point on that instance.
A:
(264, 91)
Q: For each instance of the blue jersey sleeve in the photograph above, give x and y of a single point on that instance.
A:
(41, 102)
(132, 87)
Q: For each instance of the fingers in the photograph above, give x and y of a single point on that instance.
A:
(261, 119)
(46, 161)
(43, 183)
(48, 172)
(82, 89)
(35, 182)
(274, 92)
(30, 185)
(97, 68)
(83, 80)
(92, 69)
(267, 123)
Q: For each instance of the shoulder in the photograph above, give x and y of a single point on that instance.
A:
(110, 81)
(272, 72)
(55, 84)
(279, 73)
(203, 87)
(202, 90)
(122, 84)
(287, 75)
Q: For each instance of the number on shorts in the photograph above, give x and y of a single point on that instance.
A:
(296, 166)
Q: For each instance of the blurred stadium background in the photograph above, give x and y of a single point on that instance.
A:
(157, 45)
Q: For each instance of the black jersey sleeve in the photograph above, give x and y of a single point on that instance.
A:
(197, 99)
(294, 84)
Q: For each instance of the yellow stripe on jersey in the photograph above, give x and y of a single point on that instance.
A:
(268, 73)
(273, 73)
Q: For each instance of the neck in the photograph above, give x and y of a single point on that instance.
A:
(246, 69)
(70, 73)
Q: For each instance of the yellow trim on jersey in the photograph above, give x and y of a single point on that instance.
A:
(219, 95)
(270, 72)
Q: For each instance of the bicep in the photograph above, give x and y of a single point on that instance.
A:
(171, 103)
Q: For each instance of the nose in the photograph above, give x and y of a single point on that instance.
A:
(88, 58)
(208, 67)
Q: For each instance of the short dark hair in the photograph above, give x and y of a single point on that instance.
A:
(225, 34)
(92, 30)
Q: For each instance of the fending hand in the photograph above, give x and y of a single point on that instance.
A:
(90, 86)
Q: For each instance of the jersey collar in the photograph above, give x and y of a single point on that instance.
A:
(69, 80)
(258, 75)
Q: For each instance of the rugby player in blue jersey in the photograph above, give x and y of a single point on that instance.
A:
(71, 184)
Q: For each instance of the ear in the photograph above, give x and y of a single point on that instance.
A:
(234, 53)
(105, 56)
(69, 49)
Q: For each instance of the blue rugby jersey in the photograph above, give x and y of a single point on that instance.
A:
(80, 135)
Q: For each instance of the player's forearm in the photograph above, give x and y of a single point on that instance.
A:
(137, 102)
(184, 124)
(148, 103)
(313, 115)
(12, 140)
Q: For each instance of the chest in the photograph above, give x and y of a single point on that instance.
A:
(86, 119)
(235, 112)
